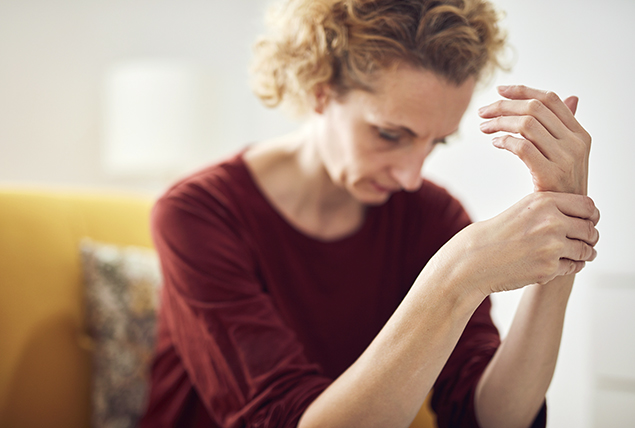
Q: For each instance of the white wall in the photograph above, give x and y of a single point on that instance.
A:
(587, 49)
(53, 56)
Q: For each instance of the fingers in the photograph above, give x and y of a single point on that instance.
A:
(570, 267)
(578, 235)
(533, 115)
(566, 226)
(583, 230)
(572, 104)
(578, 206)
(545, 121)
(582, 235)
(548, 98)
(521, 108)
(525, 150)
(579, 251)
(527, 126)
(569, 204)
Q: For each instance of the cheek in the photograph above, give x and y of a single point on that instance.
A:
(346, 149)
(350, 150)
(335, 151)
(362, 159)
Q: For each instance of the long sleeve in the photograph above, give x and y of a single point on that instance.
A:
(455, 387)
(257, 318)
(453, 397)
(454, 390)
(246, 365)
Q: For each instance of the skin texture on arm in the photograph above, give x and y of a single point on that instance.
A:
(543, 236)
(387, 384)
(556, 150)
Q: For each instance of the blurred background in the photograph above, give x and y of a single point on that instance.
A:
(130, 95)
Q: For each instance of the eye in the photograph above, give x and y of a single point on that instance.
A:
(388, 135)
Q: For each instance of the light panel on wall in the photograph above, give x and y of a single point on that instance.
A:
(152, 117)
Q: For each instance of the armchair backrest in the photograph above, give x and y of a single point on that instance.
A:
(44, 370)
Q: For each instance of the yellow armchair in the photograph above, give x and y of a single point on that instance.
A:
(44, 369)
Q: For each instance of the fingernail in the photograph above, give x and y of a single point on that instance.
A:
(503, 87)
(483, 125)
(496, 142)
(482, 110)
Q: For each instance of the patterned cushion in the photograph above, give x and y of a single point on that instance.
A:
(122, 285)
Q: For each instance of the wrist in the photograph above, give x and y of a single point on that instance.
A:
(450, 275)
(557, 290)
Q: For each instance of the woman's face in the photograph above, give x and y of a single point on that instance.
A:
(374, 143)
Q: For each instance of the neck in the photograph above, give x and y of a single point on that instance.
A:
(292, 175)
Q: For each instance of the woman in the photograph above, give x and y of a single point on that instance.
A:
(316, 280)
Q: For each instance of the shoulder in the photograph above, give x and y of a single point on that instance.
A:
(199, 230)
(213, 200)
(222, 178)
(217, 188)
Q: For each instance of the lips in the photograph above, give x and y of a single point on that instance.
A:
(384, 189)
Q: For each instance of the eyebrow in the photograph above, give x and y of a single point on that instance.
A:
(414, 134)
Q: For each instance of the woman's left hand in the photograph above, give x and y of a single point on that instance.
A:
(548, 138)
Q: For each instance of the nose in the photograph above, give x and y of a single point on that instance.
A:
(407, 169)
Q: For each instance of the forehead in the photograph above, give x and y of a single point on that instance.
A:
(417, 99)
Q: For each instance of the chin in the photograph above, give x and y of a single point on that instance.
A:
(377, 203)
(365, 193)
(368, 198)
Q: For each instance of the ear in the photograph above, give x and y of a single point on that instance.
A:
(322, 94)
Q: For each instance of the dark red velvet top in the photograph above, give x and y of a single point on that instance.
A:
(257, 318)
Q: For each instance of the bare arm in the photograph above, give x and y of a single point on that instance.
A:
(527, 243)
(556, 149)
(388, 383)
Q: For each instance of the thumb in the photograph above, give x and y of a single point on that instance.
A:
(572, 103)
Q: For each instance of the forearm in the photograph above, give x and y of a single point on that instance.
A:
(512, 388)
(387, 385)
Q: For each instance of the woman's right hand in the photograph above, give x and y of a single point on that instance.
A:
(542, 236)
(546, 136)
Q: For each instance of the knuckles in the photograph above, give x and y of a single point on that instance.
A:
(592, 233)
(527, 123)
(585, 252)
(579, 147)
(541, 200)
(498, 105)
(534, 106)
(548, 272)
(523, 148)
(591, 210)
(551, 97)
(573, 267)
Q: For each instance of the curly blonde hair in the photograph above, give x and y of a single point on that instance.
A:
(344, 43)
